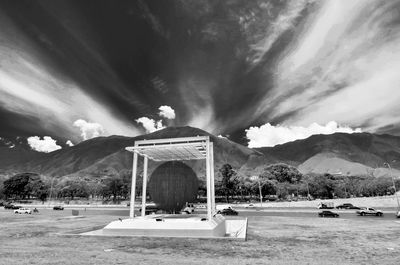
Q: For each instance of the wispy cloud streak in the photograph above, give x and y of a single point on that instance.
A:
(29, 87)
(342, 66)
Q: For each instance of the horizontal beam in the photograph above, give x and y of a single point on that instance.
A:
(177, 159)
(173, 140)
(165, 146)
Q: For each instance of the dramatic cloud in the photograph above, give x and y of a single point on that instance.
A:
(167, 112)
(283, 62)
(150, 125)
(283, 21)
(89, 129)
(69, 143)
(31, 87)
(340, 69)
(269, 135)
(46, 145)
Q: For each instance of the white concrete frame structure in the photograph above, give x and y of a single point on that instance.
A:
(173, 149)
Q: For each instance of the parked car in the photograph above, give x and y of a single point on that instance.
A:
(23, 210)
(228, 211)
(58, 208)
(150, 209)
(11, 206)
(347, 206)
(271, 197)
(201, 206)
(223, 207)
(8, 206)
(328, 214)
(398, 214)
(189, 208)
(250, 206)
(325, 205)
(369, 211)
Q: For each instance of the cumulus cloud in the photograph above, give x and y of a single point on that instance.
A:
(167, 112)
(150, 125)
(89, 129)
(46, 145)
(269, 135)
(69, 143)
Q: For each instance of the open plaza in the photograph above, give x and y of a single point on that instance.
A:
(52, 237)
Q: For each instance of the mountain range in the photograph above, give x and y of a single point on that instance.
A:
(339, 154)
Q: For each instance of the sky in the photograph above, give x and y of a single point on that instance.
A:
(260, 73)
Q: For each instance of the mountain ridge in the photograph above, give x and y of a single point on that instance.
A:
(94, 158)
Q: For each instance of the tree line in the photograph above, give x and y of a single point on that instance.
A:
(277, 181)
(285, 182)
(33, 186)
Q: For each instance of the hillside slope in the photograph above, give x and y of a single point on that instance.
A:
(368, 149)
(99, 156)
(348, 154)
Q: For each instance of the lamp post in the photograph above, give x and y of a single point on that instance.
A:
(259, 186)
(394, 184)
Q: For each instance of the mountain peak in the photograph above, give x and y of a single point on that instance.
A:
(174, 132)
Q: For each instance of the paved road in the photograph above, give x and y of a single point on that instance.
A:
(314, 213)
(389, 213)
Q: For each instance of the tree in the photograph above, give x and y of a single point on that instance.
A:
(113, 186)
(38, 189)
(2, 195)
(25, 185)
(282, 173)
(229, 181)
(322, 186)
(74, 188)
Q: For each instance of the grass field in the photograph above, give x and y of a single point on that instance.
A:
(35, 239)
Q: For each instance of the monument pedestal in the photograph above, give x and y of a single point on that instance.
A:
(188, 226)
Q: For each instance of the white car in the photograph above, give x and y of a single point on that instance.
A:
(223, 207)
(369, 211)
(23, 210)
(250, 206)
(201, 206)
(189, 208)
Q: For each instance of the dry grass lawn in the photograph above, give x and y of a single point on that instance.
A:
(34, 239)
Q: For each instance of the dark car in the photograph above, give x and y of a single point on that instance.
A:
(228, 211)
(347, 206)
(328, 214)
(8, 206)
(11, 206)
(58, 208)
(150, 209)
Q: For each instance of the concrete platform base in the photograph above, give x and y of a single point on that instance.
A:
(176, 226)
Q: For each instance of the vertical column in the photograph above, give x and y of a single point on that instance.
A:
(212, 178)
(144, 190)
(208, 176)
(133, 186)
